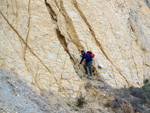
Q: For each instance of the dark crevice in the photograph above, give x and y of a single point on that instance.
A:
(62, 39)
(147, 65)
(70, 28)
(132, 29)
(51, 11)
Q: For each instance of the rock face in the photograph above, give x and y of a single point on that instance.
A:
(40, 40)
(147, 2)
(17, 97)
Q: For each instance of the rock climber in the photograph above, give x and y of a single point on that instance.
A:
(88, 62)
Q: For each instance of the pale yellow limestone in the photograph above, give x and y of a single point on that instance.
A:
(40, 40)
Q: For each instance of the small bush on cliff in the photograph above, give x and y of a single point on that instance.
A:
(146, 88)
(146, 81)
(124, 92)
(122, 106)
(80, 101)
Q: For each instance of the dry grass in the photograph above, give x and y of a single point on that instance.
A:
(122, 106)
(126, 107)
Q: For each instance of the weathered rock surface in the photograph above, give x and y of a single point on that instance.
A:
(147, 2)
(40, 41)
(17, 97)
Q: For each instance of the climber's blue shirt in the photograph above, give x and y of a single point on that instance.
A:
(87, 58)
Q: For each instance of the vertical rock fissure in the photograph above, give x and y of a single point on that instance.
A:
(97, 42)
(62, 39)
(28, 32)
(71, 29)
(133, 30)
(60, 36)
(51, 11)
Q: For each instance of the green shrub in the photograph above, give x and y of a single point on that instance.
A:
(124, 92)
(108, 104)
(146, 81)
(146, 88)
(143, 101)
(80, 101)
(131, 87)
(68, 104)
